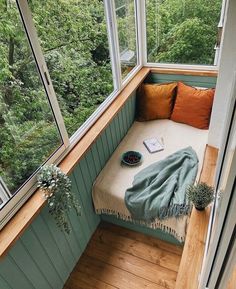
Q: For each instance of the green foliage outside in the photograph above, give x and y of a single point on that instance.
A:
(74, 41)
(73, 37)
(182, 31)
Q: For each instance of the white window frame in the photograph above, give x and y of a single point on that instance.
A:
(29, 187)
(139, 35)
(119, 84)
(219, 238)
(138, 66)
(5, 194)
(221, 23)
(229, 268)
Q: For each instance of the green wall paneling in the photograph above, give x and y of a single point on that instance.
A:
(106, 150)
(46, 240)
(100, 149)
(80, 224)
(92, 219)
(109, 140)
(113, 135)
(26, 264)
(96, 161)
(202, 81)
(45, 265)
(4, 284)
(142, 229)
(59, 239)
(44, 256)
(117, 129)
(15, 277)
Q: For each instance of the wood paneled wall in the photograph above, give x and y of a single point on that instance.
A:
(196, 80)
(44, 256)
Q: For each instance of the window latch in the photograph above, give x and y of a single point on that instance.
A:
(46, 77)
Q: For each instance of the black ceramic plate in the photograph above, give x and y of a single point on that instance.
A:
(131, 158)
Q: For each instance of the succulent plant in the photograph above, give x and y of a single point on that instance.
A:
(56, 187)
(201, 195)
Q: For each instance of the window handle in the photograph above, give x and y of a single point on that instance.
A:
(46, 77)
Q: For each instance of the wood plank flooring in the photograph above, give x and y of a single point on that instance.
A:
(123, 259)
(232, 281)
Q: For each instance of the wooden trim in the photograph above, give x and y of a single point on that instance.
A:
(191, 262)
(211, 73)
(18, 224)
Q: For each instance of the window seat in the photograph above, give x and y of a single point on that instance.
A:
(110, 186)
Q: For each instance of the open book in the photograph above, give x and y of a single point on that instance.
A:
(154, 145)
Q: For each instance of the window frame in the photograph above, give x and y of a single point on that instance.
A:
(138, 66)
(119, 84)
(28, 188)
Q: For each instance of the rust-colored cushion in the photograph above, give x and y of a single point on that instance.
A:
(155, 101)
(193, 106)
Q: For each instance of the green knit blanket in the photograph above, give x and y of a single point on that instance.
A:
(159, 191)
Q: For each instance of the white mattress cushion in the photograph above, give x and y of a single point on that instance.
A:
(111, 184)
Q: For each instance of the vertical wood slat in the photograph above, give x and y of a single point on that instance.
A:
(109, 140)
(42, 233)
(105, 146)
(31, 242)
(28, 267)
(82, 228)
(59, 239)
(11, 272)
(4, 284)
(44, 256)
(96, 161)
(100, 149)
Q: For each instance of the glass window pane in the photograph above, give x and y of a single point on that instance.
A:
(28, 133)
(126, 25)
(73, 36)
(182, 31)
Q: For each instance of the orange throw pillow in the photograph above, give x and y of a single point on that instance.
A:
(155, 101)
(193, 106)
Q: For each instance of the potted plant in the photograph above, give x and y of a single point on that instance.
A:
(56, 187)
(201, 195)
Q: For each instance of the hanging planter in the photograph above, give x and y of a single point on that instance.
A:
(201, 195)
(56, 187)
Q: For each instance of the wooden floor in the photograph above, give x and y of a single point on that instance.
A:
(232, 281)
(119, 258)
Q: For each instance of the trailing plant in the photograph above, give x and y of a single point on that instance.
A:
(201, 195)
(56, 187)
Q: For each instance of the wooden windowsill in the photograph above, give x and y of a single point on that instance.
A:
(21, 220)
(192, 257)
